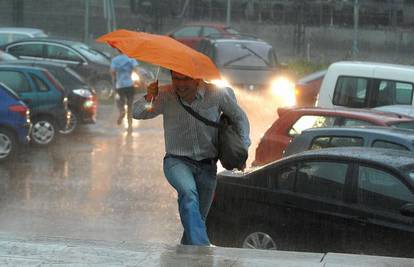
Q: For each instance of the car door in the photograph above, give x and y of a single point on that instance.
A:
(379, 195)
(31, 50)
(19, 82)
(320, 197)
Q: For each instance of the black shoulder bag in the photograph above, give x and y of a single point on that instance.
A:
(231, 151)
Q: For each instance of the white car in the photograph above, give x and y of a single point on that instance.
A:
(366, 85)
(9, 34)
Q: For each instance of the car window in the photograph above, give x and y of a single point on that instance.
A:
(403, 125)
(91, 54)
(15, 80)
(318, 179)
(59, 52)
(231, 30)
(353, 122)
(382, 190)
(244, 54)
(209, 30)
(351, 92)
(389, 145)
(285, 178)
(192, 31)
(40, 85)
(18, 36)
(331, 141)
(310, 121)
(29, 50)
(393, 93)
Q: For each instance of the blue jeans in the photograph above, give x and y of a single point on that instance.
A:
(195, 183)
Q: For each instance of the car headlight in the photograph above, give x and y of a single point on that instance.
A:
(135, 77)
(284, 89)
(82, 92)
(221, 83)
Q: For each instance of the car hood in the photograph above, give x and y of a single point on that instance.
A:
(246, 77)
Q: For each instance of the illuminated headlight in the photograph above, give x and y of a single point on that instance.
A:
(88, 104)
(221, 83)
(284, 89)
(135, 77)
(28, 116)
(82, 92)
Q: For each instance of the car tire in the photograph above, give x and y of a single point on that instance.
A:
(72, 126)
(259, 237)
(43, 131)
(8, 144)
(104, 89)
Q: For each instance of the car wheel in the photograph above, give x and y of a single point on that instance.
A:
(8, 144)
(72, 125)
(43, 131)
(259, 238)
(104, 89)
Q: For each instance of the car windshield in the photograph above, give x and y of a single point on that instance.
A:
(403, 125)
(69, 82)
(6, 56)
(244, 55)
(91, 54)
(9, 91)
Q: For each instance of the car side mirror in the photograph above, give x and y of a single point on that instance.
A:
(407, 210)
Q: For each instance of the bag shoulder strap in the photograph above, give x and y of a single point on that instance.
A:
(199, 117)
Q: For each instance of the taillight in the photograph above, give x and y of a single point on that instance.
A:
(22, 110)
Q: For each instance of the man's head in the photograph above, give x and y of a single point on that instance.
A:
(184, 86)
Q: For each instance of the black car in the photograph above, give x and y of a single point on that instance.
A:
(347, 200)
(88, 62)
(244, 62)
(82, 100)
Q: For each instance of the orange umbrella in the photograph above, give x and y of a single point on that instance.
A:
(162, 51)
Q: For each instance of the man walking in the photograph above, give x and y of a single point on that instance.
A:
(191, 154)
(122, 68)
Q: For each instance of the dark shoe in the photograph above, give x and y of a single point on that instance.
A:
(120, 118)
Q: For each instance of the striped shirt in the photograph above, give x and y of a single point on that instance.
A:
(185, 135)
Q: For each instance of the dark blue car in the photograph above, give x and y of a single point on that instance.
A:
(14, 123)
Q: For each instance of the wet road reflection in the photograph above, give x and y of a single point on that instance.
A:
(101, 183)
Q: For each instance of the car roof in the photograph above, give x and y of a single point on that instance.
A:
(370, 65)
(367, 114)
(25, 67)
(21, 30)
(207, 24)
(397, 159)
(234, 38)
(46, 39)
(406, 134)
(24, 62)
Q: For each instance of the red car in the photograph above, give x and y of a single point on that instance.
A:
(191, 34)
(307, 88)
(292, 121)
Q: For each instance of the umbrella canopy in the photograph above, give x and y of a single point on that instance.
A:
(162, 51)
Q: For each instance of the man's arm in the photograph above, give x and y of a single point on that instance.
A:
(230, 108)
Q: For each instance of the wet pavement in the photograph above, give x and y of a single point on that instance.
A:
(46, 251)
(101, 183)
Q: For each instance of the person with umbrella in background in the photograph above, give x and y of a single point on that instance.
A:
(191, 152)
(122, 68)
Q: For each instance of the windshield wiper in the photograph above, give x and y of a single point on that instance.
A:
(257, 55)
(236, 59)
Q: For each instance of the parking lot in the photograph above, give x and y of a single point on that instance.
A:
(98, 183)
